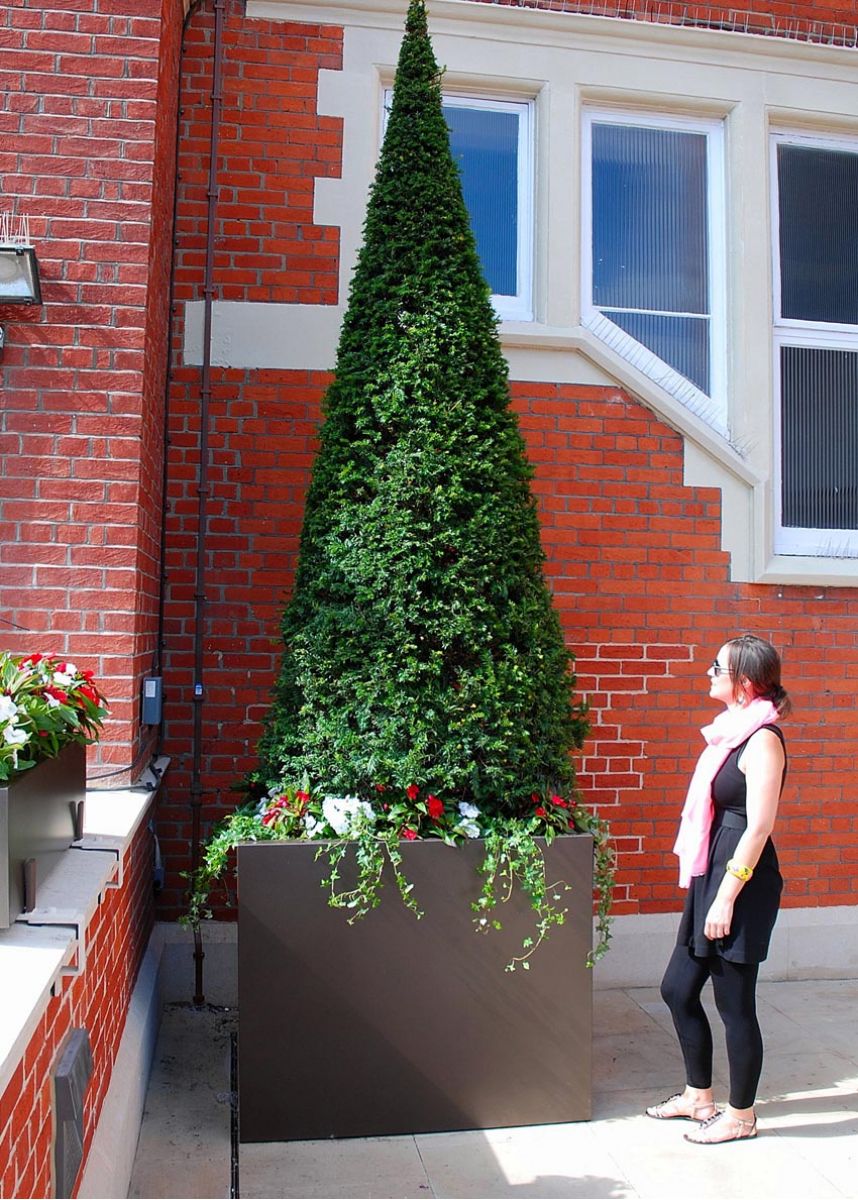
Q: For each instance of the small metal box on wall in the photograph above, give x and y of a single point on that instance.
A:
(71, 1076)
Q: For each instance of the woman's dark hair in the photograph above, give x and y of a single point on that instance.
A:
(756, 660)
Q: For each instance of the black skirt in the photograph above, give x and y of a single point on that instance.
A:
(756, 907)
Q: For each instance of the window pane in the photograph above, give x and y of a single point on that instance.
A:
(819, 396)
(485, 145)
(649, 219)
(818, 199)
(681, 342)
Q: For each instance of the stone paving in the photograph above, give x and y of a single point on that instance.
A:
(808, 1113)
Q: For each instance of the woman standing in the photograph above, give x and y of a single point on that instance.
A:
(728, 863)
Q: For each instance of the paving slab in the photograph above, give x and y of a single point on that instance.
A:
(807, 1148)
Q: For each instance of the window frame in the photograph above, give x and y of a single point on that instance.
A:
(518, 307)
(787, 332)
(714, 407)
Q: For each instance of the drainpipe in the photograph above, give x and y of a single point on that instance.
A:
(203, 489)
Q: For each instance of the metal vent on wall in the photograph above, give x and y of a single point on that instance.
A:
(72, 1074)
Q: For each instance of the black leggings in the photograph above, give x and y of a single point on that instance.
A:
(734, 985)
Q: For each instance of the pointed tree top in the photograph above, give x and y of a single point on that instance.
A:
(416, 21)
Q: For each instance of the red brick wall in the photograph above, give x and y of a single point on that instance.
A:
(84, 374)
(96, 1001)
(819, 20)
(634, 557)
(644, 595)
(273, 146)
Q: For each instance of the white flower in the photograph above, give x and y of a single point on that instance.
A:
(8, 708)
(52, 701)
(15, 736)
(313, 826)
(341, 812)
(469, 829)
(469, 811)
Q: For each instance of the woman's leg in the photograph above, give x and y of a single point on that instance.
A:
(683, 982)
(735, 988)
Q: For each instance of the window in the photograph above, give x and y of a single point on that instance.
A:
(816, 345)
(492, 143)
(653, 251)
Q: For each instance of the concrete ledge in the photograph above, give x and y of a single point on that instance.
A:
(36, 952)
(808, 943)
(111, 1156)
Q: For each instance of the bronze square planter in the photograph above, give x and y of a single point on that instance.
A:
(37, 822)
(395, 1025)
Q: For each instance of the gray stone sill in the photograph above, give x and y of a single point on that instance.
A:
(45, 947)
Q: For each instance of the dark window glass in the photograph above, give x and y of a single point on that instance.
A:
(681, 342)
(649, 219)
(819, 442)
(485, 145)
(818, 200)
(650, 241)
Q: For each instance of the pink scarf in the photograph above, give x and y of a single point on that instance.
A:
(726, 732)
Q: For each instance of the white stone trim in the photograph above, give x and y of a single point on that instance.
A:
(807, 943)
(565, 61)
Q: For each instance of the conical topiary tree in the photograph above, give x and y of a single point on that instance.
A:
(425, 686)
(421, 646)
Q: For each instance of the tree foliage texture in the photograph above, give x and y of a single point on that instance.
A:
(421, 645)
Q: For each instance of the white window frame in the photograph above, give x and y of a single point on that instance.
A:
(791, 540)
(711, 408)
(520, 306)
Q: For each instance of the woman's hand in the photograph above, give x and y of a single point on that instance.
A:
(718, 919)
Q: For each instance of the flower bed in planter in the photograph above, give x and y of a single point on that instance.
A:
(37, 821)
(397, 1025)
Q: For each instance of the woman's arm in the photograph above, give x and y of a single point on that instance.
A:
(762, 764)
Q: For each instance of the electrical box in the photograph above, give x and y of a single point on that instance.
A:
(153, 696)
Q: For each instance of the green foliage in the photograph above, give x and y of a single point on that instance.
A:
(425, 687)
(421, 642)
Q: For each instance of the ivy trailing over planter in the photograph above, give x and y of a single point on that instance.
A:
(424, 674)
(344, 825)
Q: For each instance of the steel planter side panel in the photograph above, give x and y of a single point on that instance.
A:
(396, 1025)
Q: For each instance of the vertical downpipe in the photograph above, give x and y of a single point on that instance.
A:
(203, 489)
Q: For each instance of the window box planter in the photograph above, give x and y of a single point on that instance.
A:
(396, 1025)
(37, 821)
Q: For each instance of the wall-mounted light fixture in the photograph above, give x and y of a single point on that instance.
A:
(19, 276)
(19, 268)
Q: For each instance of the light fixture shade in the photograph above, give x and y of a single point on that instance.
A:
(19, 276)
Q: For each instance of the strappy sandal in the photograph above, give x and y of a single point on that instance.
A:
(669, 1110)
(746, 1129)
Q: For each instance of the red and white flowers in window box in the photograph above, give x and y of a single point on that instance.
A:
(46, 704)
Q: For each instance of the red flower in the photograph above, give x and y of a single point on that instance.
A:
(57, 694)
(61, 667)
(559, 801)
(535, 797)
(540, 811)
(412, 791)
(302, 797)
(270, 817)
(379, 787)
(31, 660)
(435, 807)
(409, 834)
(87, 675)
(89, 692)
